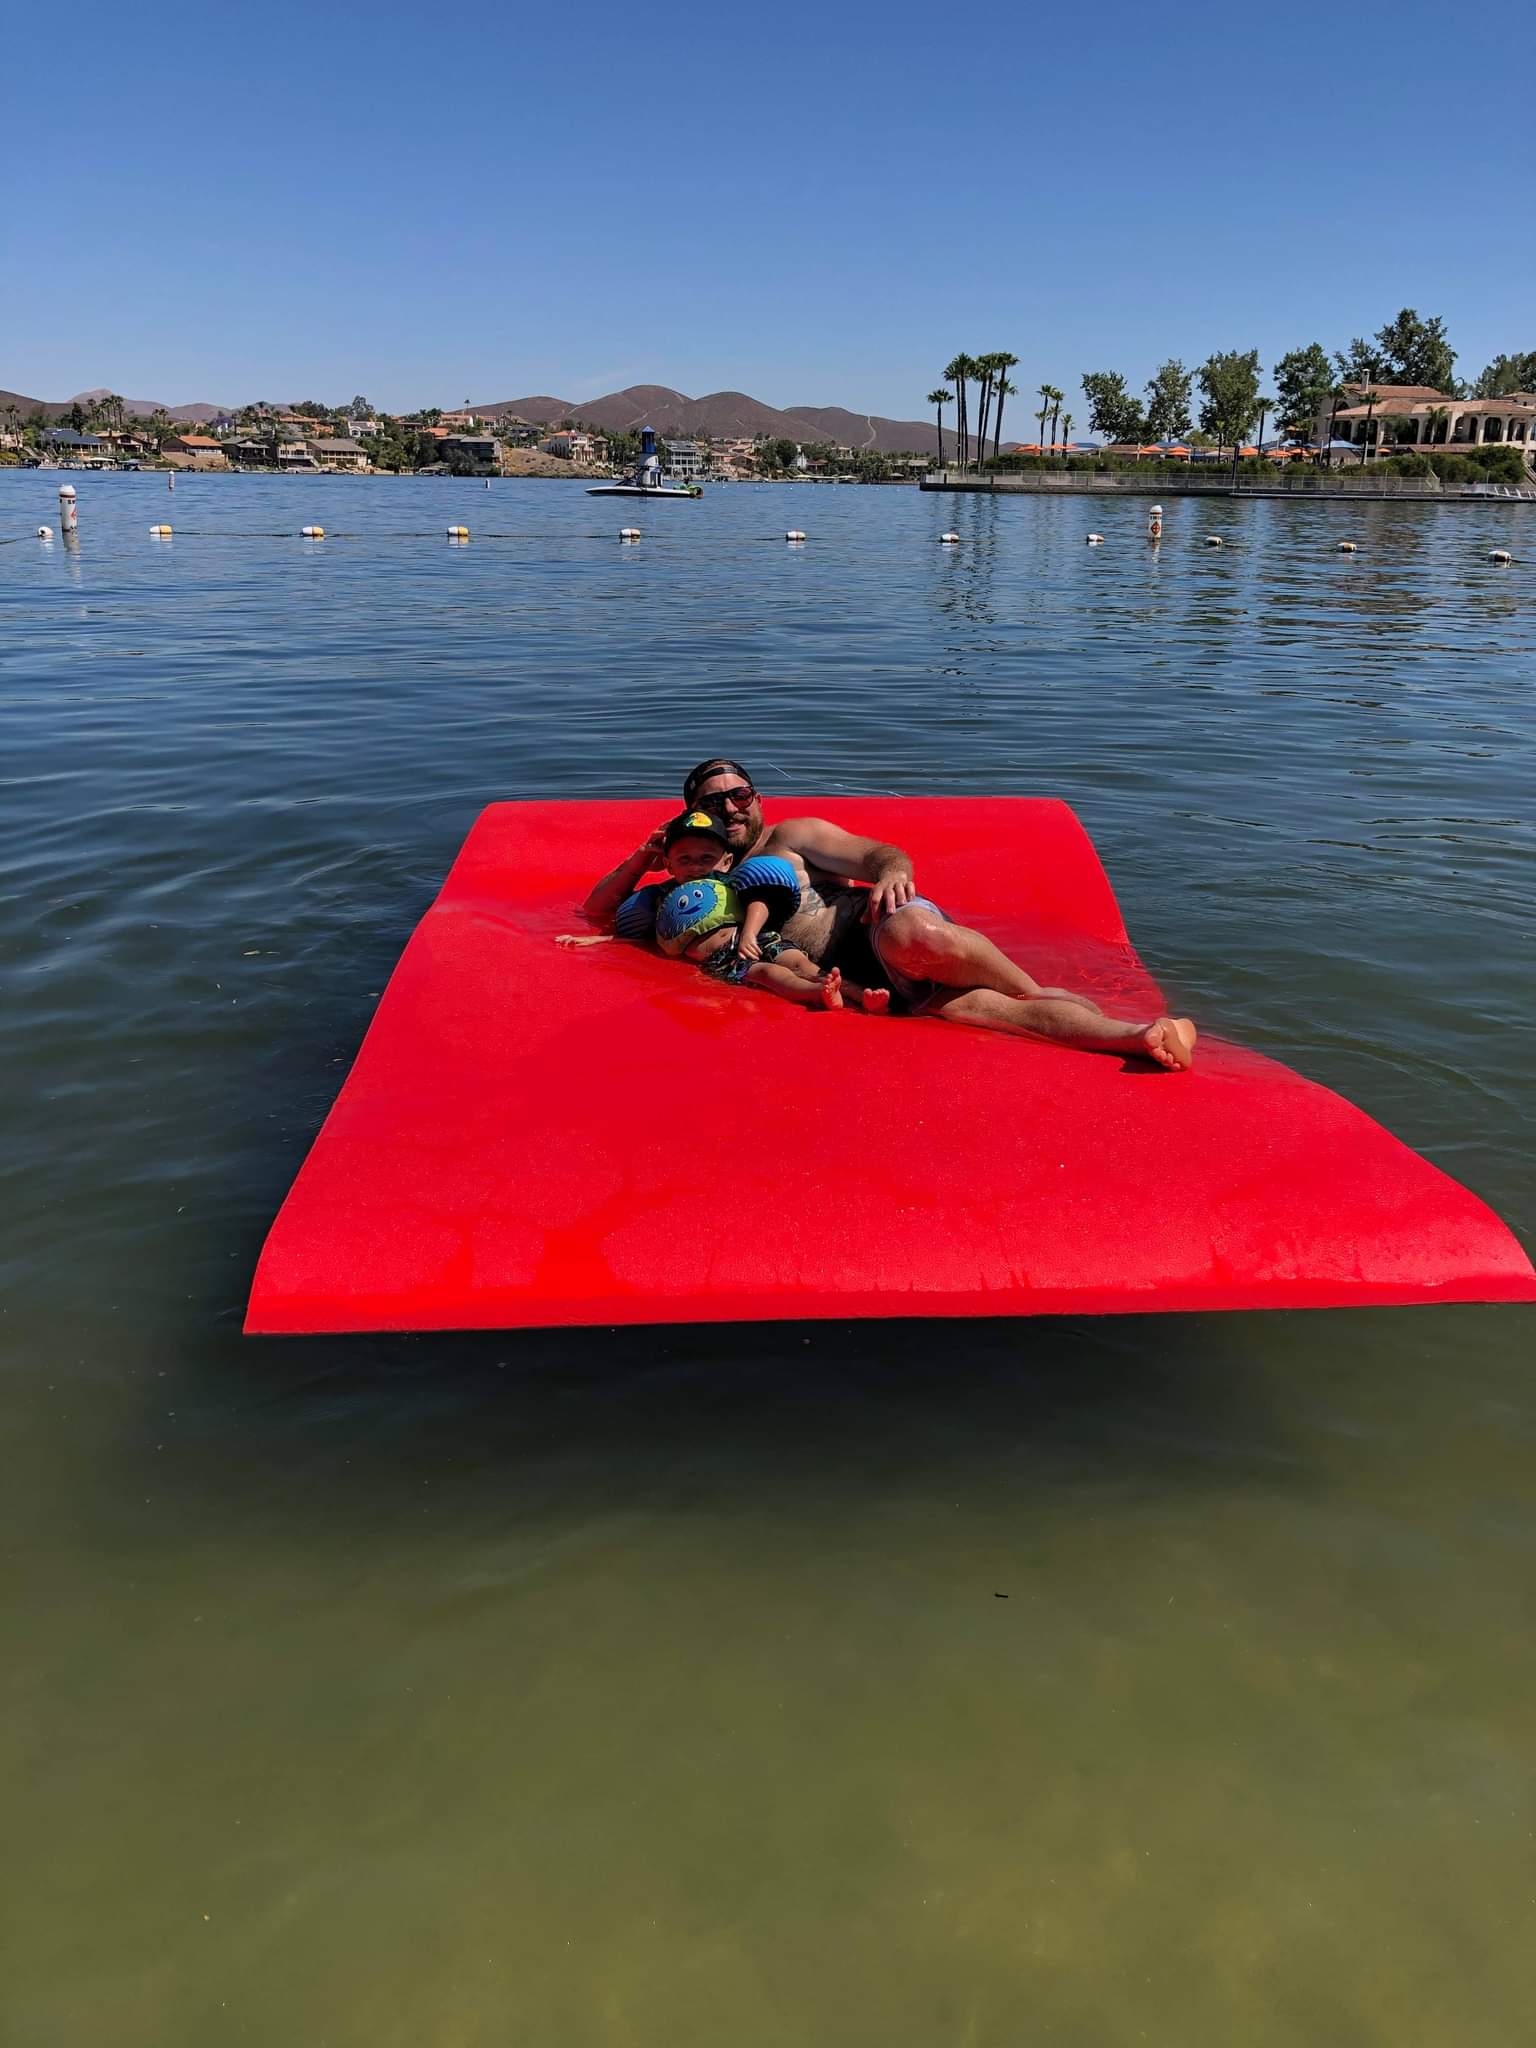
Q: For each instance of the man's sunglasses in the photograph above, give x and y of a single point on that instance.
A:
(738, 799)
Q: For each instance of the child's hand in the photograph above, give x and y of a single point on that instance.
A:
(748, 948)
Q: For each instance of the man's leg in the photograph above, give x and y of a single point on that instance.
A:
(921, 946)
(1169, 1041)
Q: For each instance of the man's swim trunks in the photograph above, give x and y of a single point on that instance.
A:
(859, 952)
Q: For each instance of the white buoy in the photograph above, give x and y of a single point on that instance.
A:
(170, 482)
(946, 538)
(312, 532)
(1155, 523)
(1095, 540)
(1501, 555)
(69, 517)
(458, 533)
(1213, 540)
(1346, 547)
(160, 532)
(45, 533)
(794, 533)
(629, 533)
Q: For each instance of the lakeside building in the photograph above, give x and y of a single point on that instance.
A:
(84, 451)
(573, 445)
(471, 454)
(194, 451)
(682, 460)
(340, 452)
(1416, 416)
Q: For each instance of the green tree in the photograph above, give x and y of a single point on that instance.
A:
(1066, 432)
(1168, 414)
(76, 417)
(1360, 363)
(1044, 413)
(1506, 374)
(361, 408)
(1303, 387)
(938, 398)
(1415, 351)
(1112, 411)
(1230, 382)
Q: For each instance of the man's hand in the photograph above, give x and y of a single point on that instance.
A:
(654, 849)
(891, 892)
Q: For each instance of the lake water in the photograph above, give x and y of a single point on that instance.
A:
(655, 1689)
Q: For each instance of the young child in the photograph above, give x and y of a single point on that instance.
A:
(718, 916)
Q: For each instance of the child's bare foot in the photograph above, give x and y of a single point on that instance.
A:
(583, 938)
(1171, 1042)
(875, 1002)
(831, 990)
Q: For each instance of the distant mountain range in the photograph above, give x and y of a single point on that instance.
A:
(720, 414)
(723, 414)
(55, 408)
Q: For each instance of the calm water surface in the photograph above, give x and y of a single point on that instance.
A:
(654, 1690)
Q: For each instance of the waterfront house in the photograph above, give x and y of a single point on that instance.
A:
(295, 454)
(194, 451)
(471, 454)
(339, 452)
(515, 433)
(250, 454)
(572, 445)
(682, 460)
(81, 451)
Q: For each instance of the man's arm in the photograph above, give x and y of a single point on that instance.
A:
(824, 845)
(605, 896)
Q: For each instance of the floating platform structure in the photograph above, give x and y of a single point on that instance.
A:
(535, 1134)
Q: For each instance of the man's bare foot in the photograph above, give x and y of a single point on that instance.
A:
(1171, 1042)
(831, 990)
(875, 1002)
(583, 938)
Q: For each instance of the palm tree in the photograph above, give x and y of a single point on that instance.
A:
(961, 370)
(1056, 399)
(1066, 433)
(1044, 413)
(983, 404)
(938, 399)
(1004, 390)
(955, 370)
(1003, 363)
(1372, 400)
(1266, 406)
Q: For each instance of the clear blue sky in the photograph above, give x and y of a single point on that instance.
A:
(817, 205)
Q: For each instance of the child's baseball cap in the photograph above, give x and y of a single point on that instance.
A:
(695, 825)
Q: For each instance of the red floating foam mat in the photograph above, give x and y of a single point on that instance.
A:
(538, 1135)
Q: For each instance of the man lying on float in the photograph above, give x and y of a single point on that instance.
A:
(886, 935)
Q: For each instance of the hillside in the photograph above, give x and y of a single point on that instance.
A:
(55, 408)
(723, 413)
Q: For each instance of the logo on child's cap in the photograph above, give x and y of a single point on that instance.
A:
(695, 825)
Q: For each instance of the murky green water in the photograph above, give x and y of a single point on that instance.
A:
(1091, 1682)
